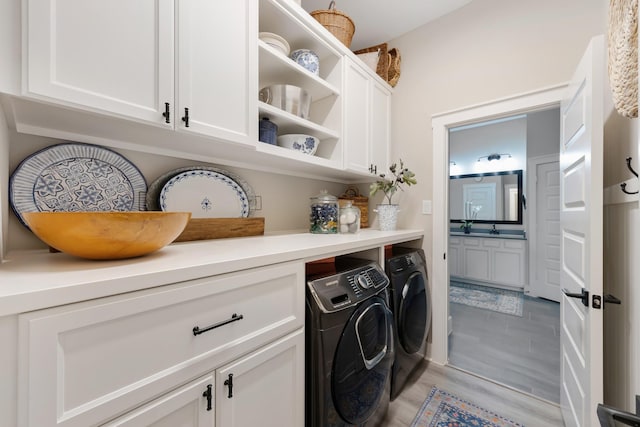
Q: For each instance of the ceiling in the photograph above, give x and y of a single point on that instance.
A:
(378, 22)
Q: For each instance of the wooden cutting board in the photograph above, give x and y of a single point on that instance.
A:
(220, 228)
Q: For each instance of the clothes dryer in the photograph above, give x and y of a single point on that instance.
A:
(349, 346)
(411, 306)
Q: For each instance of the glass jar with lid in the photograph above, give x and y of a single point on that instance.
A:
(324, 214)
(349, 218)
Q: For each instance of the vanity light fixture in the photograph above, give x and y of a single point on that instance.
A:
(494, 156)
(452, 163)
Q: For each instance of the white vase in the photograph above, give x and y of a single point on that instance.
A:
(387, 216)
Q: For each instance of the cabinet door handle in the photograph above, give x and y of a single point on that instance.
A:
(229, 383)
(208, 395)
(166, 114)
(185, 119)
(234, 318)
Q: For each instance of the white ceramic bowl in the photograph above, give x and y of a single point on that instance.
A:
(299, 142)
(275, 41)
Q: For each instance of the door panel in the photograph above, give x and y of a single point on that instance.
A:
(581, 211)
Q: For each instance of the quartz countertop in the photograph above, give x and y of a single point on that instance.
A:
(31, 280)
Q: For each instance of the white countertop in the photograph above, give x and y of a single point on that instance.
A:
(33, 280)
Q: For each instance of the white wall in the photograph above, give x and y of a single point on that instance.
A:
(4, 173)
(543, 133)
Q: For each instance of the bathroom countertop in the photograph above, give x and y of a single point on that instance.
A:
(502, 234)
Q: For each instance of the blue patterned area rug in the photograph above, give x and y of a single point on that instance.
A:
(442, 409)
(486, 297)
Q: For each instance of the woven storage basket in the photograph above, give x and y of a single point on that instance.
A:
(338, 23)
(382, 69)
(353, 194)
(623, 55)
(394, 67)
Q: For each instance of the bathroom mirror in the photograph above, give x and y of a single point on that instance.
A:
(492, 197)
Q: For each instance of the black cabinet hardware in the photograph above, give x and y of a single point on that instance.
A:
(234, 318)
(185, 119)
(229, 383)
(583, 295)
(209, 395)
(166, 114)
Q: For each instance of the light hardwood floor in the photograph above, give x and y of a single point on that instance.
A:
(520, 351)
(514, 405)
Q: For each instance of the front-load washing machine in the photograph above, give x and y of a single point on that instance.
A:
(411, 306)
(349, 346)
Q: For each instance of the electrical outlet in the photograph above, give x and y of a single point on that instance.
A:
(427, 207)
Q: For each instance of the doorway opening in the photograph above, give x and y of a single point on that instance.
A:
(497, 252)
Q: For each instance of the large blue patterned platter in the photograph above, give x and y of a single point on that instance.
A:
(73, 177)
(206, 194)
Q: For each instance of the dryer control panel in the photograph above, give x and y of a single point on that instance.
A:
(349, 287)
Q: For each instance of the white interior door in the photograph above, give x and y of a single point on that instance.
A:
(581, 214)
(479, 201)
(545, 274)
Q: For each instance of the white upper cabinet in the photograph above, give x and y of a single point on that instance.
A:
(217, 62)
(115, 56)
(366, 120)
(119, 57)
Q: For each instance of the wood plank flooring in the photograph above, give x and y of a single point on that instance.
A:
(521, 352)
(519, 407)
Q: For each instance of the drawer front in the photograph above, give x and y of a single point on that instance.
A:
(85, 362)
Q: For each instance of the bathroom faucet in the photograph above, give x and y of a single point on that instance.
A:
(493, 230)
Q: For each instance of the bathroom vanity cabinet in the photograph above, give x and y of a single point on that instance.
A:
(494, 260)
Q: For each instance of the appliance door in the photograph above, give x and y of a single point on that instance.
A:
(362, 361)
(414, 313)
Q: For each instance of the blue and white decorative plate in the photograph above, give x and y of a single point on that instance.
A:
(206, 194)
(76, 177)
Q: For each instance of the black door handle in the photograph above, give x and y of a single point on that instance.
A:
(583, 295)
(610, 299)
(611, 417)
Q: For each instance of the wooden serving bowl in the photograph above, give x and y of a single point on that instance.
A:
(107, 235)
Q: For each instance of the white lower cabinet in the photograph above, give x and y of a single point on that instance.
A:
(265, 388)
(88, 363)
(493, 260)
(188, 406)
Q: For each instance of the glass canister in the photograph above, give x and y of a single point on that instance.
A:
(349, 218)
(324, 214)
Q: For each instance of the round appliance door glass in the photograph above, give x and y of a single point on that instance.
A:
(362, 361)
(413, 314)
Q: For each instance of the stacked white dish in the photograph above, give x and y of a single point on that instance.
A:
(275, 41)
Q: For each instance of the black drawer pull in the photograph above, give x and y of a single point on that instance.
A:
(166, 114)
(208, 395)
(234, 318)
(229, 383)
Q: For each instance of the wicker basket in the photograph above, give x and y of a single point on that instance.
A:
(382, 68)
(623, 56)
(394, 67)
(338, 23)
(353, 194)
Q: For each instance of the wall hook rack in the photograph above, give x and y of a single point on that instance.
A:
(623, 186)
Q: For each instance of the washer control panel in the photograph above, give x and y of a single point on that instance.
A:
(344, 289)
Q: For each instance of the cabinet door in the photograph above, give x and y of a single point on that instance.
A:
(356, 132)
(265, 388)
(380, 126)
(114, 56)
(217, 69)
(188, 406)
